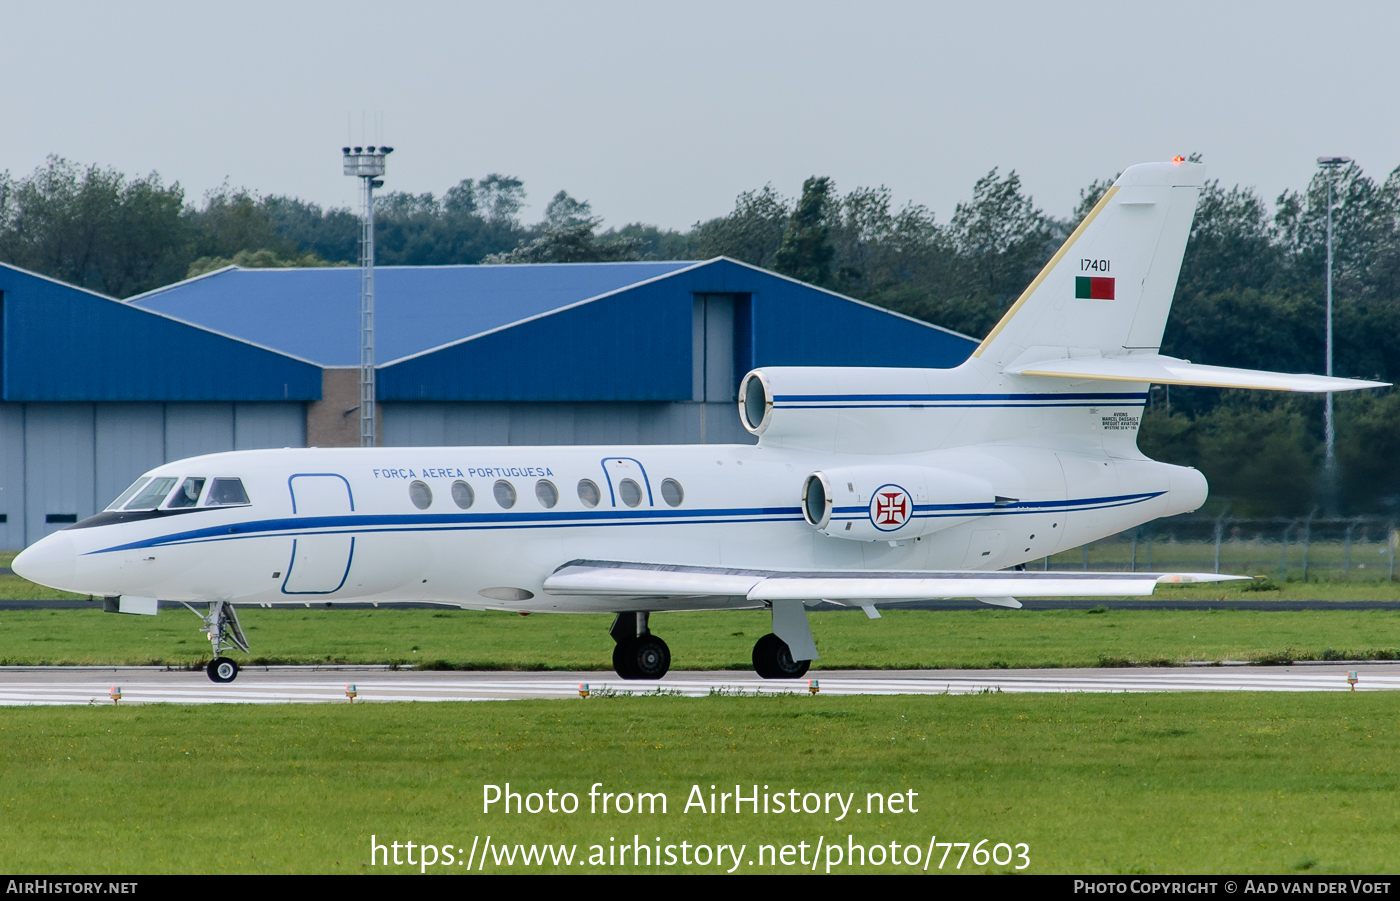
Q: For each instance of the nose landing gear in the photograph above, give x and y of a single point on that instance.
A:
(638, 654)
(225, 633)
(222, 669)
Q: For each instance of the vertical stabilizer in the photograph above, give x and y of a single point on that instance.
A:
(1107, 291)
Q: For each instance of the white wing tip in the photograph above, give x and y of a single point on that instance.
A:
(1191, 578)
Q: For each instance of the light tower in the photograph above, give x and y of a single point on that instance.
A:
(1330, 163)
(367, 164)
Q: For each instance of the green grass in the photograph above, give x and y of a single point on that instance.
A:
(716, 640)
(1165, 783)
(1365, 563)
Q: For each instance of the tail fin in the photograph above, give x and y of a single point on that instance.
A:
(1108, 290)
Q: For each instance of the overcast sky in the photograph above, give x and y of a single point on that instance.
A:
(664, 112)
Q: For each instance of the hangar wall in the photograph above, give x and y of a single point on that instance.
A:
(442, 423)
(61, 462)
(711, 416)
(567, 354)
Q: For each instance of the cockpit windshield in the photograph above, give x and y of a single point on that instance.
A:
(128, 493)
(187, 495)
(148, 493)
(226, 493)
(149, 498)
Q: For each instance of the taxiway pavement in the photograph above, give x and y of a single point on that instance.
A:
(282, 685)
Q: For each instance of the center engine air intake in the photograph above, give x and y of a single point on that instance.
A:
(852, 410)
(892, 502)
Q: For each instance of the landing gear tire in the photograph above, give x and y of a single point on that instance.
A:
(772, 659)
(222, 669)
(643, 657)
(621, 660)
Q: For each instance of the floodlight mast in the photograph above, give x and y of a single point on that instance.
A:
(367, 164)
(1329, 164)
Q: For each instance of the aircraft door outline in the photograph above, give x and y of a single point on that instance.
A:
(349, 493)
(320, 555)
(623, 470)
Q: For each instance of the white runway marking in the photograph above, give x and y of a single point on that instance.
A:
(142, 685)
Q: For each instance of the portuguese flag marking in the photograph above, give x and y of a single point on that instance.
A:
(1092, 287)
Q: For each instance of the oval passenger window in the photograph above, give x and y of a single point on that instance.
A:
(631, 492)
(462, 494)
(672, 492)
(546, 493)
(588, 493)
(505, 493)
(420, 494)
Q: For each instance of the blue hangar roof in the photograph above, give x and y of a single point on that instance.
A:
(551, 332)
(416, 308)
(61, 343)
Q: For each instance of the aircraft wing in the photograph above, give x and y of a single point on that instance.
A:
(1159, 370)
(619, 579)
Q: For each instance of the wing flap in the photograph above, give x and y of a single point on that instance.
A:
(1159, 370)
(619, 579)
(608, 578)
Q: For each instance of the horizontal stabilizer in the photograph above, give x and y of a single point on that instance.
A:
(605, 578)
(1159, 370)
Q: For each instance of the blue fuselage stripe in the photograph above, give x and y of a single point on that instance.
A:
(933, 406)
(455, 522)
(957, 401)
(937, 398)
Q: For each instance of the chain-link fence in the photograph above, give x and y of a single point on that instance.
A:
(1308, 549)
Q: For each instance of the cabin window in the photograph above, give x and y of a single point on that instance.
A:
(187, 495)
(505, 493)
(420, 494)
(127, 494)
(672, 492)
(588, 493)
(462, 494)
(226, 493)
(630, 491)
(150, 497)
(546, 493)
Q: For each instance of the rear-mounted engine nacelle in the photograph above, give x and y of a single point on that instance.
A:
(890, 503)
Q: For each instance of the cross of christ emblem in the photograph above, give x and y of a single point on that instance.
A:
(891, 508)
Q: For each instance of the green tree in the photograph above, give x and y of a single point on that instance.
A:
(1259, 453)
(1002, 237)
(752, 233)
(655, 243)
(332, 234)
(232, 220)
(258, 259)
(568, 235)
(806, 252)
(94, 228)
(501, 197)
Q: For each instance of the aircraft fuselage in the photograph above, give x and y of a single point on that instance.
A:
(357, 525)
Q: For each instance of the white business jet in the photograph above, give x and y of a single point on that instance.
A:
(867, 486)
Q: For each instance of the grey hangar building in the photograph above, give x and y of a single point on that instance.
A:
(94, 390)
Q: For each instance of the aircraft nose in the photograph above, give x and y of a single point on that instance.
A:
(49, 561)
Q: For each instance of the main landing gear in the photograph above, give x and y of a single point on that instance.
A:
(638, 654)
(785, 653)
(772, 659)
(225, 633)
